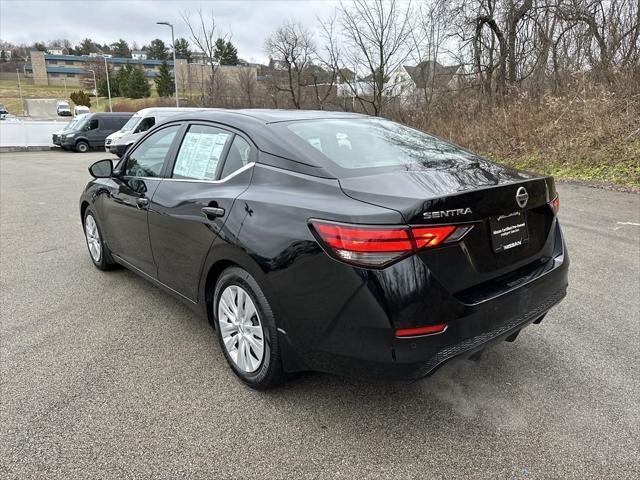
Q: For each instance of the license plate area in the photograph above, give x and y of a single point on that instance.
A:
(509, 231)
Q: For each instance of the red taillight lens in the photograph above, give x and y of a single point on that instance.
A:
(555, 205)
(380, 245)
(431, 236)
(364, 239)
(427, 330)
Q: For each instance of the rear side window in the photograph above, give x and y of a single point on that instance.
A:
(200, 153)
(366, 143)
(238, 156)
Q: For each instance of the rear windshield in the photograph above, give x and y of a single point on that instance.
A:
(374, 142)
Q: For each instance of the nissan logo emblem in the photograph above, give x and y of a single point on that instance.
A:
(522, 197)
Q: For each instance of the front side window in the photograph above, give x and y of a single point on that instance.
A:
(366, 143)
(148, 157)
(146, 124)
(200, 153)
(92, 125)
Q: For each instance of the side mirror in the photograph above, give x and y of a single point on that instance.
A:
(102, 169)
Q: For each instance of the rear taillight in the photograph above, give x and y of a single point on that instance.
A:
(555, 205)
(378, 246)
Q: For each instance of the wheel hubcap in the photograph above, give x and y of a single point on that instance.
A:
(93, 237)
(241, 329)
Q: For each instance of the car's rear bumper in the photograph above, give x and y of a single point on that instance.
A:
(361, 341)
(416, 357)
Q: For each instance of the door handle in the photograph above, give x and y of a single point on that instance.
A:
(213, 212)
(142, 202)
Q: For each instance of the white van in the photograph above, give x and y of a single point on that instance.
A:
(63, 109)
(80, 110)
(143, 120)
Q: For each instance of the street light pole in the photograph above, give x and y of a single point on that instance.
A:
(175, 67)
(95, 87)
(106, 70)
(20, 91)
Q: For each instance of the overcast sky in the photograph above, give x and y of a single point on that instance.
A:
(248, 22)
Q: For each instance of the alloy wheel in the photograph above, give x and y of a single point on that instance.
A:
(241, 328)
(93, 238)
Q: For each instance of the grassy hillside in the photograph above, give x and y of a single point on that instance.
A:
(589, 136)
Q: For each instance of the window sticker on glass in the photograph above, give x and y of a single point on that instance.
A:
(200, 153)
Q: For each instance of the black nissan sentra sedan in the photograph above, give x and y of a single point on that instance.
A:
(330, 241)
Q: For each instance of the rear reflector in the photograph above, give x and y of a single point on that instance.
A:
(380, 245)
(415, 332)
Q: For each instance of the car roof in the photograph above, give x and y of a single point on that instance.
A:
(261, 126)
(178, 110)
(112, 114)
(266, 115)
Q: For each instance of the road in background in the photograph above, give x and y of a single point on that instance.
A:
(103, 375)
(41, 108)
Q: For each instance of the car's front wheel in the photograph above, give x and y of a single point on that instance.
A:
(246, 329)
(82, 146)
(98, 251)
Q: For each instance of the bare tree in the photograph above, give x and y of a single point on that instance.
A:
(291, 49)
(427, 38)
(374, 44)
(248, 84)
(203, 34)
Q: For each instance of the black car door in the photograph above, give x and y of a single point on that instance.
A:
(189, 209)
(124, 212)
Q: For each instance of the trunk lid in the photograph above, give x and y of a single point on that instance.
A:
(467, 192)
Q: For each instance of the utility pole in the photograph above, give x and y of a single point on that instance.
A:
(175, 72)
(65, 88)
(106, 70)
(20, 91)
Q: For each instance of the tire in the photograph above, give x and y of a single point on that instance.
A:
(98, 251)
(82, 147)
(258, 372)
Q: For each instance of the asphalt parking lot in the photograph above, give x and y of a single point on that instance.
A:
(104, 376)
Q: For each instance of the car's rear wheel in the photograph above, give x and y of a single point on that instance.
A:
(98, 251)
(246, 329)
(82, 146)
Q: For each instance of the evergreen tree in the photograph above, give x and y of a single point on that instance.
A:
(137, 85)
(3, 56)
(164, 81)
(86, 47)
(230, 54)
(40, 46)
(157, 50)
(113, 83)
(219, 49)
(120, 49)
(225, 53)
(80, 98)
(182, 49)
(122, 80)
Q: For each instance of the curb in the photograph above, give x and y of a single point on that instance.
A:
(25, 149)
